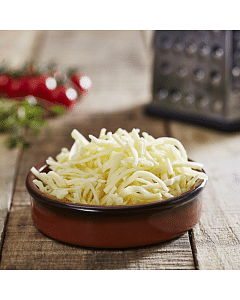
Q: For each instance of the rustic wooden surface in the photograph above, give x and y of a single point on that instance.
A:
(216, 238)
(119, 64)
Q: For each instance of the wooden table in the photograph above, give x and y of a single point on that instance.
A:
(119, 64)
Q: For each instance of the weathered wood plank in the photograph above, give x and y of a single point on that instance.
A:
(16, 47)
(216, 238)
(8, 168)
(118, 65)
(8, 163)
(27, 248)
(3, 219)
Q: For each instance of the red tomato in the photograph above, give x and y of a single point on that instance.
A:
(18, 87)
(41, 85)
(64, 95)
(4, 84)
(4, 79)
(81, 82)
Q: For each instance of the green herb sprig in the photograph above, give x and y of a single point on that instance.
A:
(16, 117)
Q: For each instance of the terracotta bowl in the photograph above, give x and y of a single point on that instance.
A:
(114, 226)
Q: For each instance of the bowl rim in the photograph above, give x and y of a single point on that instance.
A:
(34, 192)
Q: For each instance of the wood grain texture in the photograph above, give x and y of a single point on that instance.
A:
(27, 248)
(119, 66)
(216, 239)
(8, 169)
(16, 48)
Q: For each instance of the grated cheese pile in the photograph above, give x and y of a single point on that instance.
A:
(121, 168)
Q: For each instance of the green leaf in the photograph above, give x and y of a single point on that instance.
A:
(17, 116)
(26, 144)
(58, 110)
(11, 142)
(36, 126)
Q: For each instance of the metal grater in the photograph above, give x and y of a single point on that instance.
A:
(196, 77)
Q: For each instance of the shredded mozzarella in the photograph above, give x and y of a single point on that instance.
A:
(121, 168)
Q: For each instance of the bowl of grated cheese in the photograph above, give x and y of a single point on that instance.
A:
(119, 190)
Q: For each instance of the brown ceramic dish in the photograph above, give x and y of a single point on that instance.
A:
(114, 226)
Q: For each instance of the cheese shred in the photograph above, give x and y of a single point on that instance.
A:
(121, 168)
